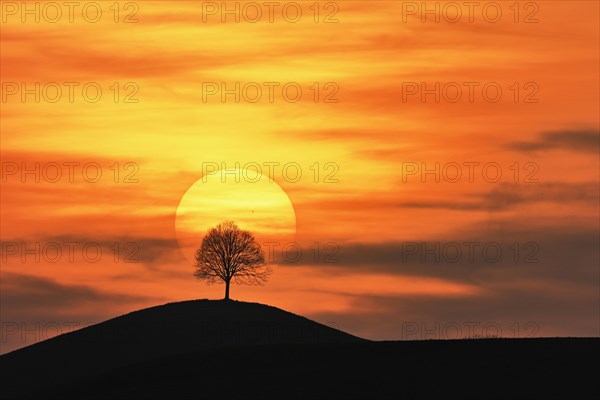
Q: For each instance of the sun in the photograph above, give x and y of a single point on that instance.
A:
(253, 201)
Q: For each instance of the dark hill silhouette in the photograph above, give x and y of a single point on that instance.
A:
(230, 349)
(151, 333)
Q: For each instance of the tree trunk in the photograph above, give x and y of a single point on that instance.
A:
(226, 290)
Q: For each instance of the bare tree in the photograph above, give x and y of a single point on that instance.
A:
(228, 253)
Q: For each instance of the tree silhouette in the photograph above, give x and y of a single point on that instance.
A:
(228, 253)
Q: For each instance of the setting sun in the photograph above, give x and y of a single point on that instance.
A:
(256, 202)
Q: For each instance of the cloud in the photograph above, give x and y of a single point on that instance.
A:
(506, 196)
(22, 292)
(535, 257)
(555, 295)
(59, 59)
(507, 312)
(503, 196)
(150, 251)
(582, 141)
(35, 308)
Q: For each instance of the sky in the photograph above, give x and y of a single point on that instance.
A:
(417, 170)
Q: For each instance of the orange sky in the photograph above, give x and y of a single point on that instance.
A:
(366, 131)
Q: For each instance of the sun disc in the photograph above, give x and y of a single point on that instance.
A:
(252, 200)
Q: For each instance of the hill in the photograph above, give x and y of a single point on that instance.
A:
(148, 334)
(207, 349)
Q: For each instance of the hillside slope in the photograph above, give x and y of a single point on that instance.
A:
(148, 334)
(217, 349)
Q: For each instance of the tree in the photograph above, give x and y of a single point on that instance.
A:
(228, 253)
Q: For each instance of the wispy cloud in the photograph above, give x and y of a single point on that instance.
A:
(582, 141)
